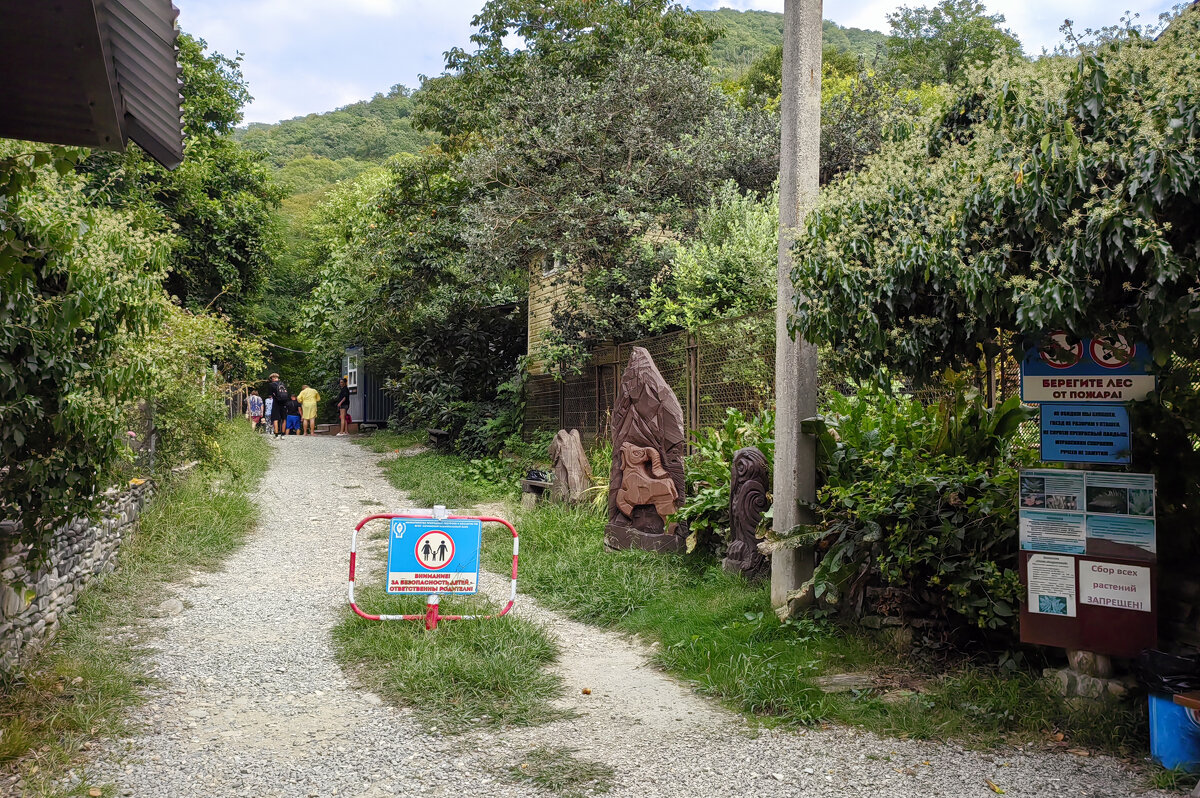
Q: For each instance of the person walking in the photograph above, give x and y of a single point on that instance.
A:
(281, 395)
(254, 408)
(268, 413)
(343, 405)
(308, 409)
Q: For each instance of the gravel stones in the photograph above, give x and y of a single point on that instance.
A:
(253, 703)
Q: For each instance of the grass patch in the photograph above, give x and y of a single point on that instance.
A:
(718, 632)
(384, 440)
(465, 673)
(433, 478)
(1176, 779)
(558, 770)
(79, 687)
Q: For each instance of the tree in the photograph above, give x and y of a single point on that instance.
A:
(575, 39)
(726, 270)
(80, 285)
(583, 169)
(1057, 195)
(219, 201)
(937, 44)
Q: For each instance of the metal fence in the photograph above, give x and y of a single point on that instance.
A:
(725, 364)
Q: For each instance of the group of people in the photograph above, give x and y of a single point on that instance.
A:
(294, 415)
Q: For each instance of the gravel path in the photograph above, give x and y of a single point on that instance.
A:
(254, 704)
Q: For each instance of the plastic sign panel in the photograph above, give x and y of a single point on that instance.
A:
(1099, 514)
(1085, 434)
(1114, 585)
(428, 556)
(1106, 369)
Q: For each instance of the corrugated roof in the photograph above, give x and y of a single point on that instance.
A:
(93, 73)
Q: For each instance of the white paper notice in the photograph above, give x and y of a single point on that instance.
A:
(1051, 580)
(1121, 587)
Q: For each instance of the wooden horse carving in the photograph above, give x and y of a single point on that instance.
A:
(645, 485)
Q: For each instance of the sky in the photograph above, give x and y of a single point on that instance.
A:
(306, 56)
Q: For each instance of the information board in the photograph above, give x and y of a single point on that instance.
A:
(427, 556)
(1081, 433)
(1110, 369)
(1088, 512)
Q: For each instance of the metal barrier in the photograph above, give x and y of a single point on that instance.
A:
(432, 615)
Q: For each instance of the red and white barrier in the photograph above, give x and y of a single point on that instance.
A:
(431, 615)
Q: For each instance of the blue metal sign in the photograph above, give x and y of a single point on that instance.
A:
(1103, 369)
(427, 556)
(1085, 433)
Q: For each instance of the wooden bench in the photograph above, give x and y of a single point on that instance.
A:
(532, 491)
(438, 438)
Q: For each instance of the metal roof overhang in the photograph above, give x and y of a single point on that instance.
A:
(91, 73)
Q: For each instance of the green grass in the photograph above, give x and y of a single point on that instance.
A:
(718, 632)
(464, 673)
(81, 685)
(1176, 779)
(558, 770)
(433, 478)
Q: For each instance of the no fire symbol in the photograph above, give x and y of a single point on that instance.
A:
(434, 550)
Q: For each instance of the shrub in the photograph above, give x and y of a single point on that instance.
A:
(79, 284)
(705, 510)
(920, 501)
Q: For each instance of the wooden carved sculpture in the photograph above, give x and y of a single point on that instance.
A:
(572, 471)
(748, 502)
(641, 487)
(647, 436)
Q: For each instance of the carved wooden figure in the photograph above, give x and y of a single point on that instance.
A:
(645, 481)
(572, 471)
(647, 436)
(748, 502)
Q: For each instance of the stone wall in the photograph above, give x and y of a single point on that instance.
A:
(80, 551)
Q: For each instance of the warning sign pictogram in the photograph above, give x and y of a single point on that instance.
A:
(434, 550)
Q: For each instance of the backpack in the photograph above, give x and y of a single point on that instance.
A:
(281, 392)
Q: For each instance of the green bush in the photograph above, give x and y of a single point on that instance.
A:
(919, 500)
(705, 509)
(78, 285)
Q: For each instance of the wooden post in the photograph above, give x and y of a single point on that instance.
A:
(693, 398)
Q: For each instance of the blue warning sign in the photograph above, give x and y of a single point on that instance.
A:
(1085, 433)
(427, 555)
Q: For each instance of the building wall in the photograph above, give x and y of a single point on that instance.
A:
(36, 598)
(544, 291)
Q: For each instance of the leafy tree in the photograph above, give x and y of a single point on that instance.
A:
(726, 270)
(1057, 195)
(936, 44)
(582, 169)
(219, 201)
(573, 39)
(80, 285)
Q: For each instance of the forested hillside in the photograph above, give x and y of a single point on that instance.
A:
(749, 34)
(371, 130)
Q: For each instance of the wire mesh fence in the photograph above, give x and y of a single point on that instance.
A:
(725, 364)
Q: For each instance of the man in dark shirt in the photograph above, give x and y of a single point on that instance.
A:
(281, 395)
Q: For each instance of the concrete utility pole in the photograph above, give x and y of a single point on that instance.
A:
(795, 361)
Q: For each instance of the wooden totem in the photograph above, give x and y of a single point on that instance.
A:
(748, 501)
(646, 481)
